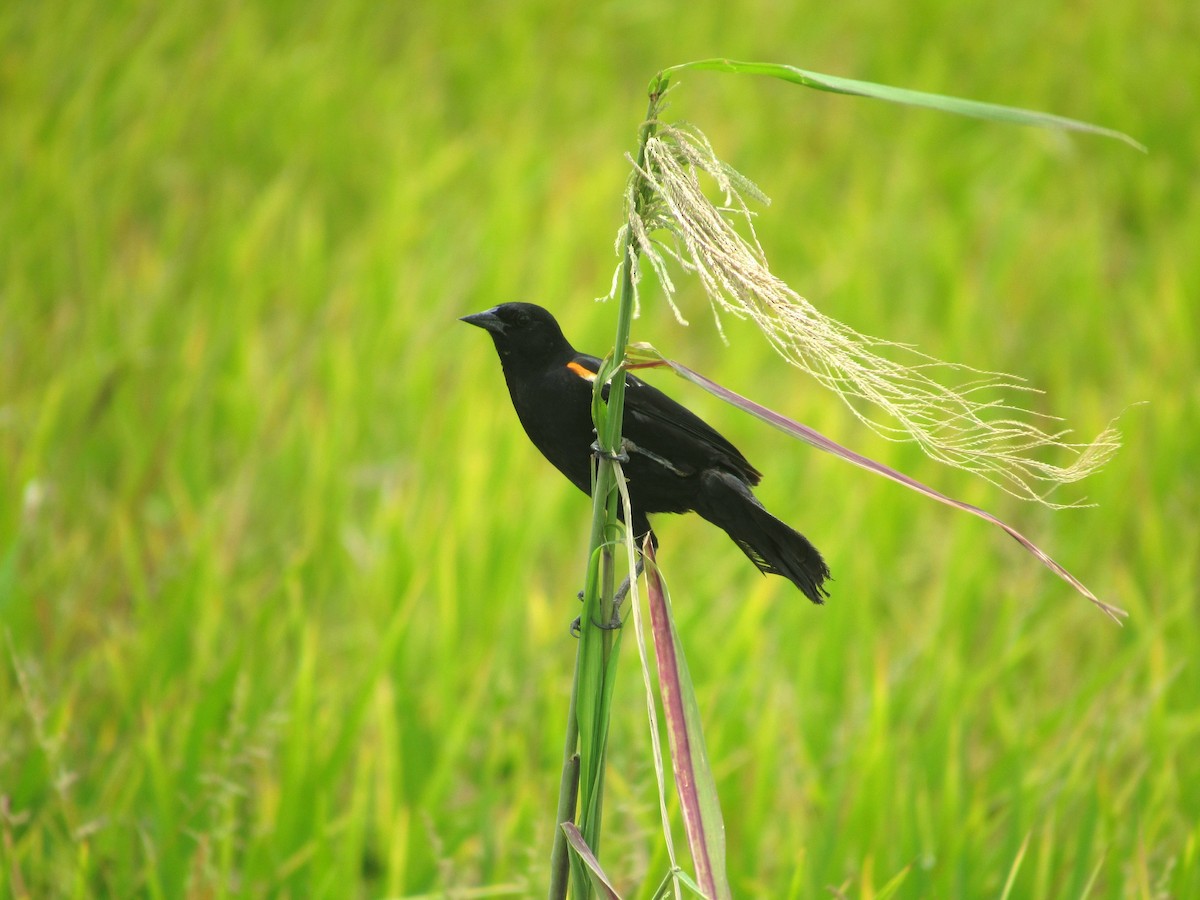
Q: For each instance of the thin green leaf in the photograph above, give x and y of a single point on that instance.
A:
(942, 102)
(648, 683)
(593, 704)
(694, 782)
(583, 852)
(671, 882)
(893, 885)
(645, 356)
(591, 667)
(1015, 867)
(687, 881)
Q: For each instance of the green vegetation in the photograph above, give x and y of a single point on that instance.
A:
(285, 591)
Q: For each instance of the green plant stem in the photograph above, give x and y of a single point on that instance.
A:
(604, 529)
(568, 795)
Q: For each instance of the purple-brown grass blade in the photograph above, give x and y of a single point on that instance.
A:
(646, 357)
(694, 782)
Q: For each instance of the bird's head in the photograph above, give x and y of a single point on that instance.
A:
(523, 333)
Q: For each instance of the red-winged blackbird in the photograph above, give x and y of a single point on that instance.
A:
(677, 462)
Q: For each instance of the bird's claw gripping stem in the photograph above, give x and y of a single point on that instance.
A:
(611, 626)
(618, 598)
(620, 456)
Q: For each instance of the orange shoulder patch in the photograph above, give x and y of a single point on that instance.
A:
(582, 371)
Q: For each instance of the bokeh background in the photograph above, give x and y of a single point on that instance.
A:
(285, 592)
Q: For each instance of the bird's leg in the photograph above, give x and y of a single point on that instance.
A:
(615, 622)
(623, 590)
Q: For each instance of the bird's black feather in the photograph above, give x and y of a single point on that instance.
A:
(677, 462)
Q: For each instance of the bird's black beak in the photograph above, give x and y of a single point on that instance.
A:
(487, 320)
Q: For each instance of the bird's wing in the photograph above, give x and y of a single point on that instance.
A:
(655, 422)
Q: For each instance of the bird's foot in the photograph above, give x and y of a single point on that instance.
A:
(620, 456)
(618, 598)
(613, 625)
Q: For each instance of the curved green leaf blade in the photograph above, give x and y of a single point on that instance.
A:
(600, 883)
(943, 102)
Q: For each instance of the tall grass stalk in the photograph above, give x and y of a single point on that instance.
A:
(588, 714)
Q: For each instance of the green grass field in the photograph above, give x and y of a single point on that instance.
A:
(284, 590)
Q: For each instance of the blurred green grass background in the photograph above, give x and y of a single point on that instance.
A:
(285, 591)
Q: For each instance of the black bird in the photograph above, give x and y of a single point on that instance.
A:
(677, 462)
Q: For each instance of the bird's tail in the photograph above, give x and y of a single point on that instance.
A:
(772, 545)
